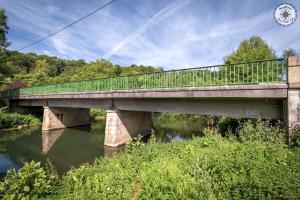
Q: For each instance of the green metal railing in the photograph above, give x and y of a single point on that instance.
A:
(267, 71)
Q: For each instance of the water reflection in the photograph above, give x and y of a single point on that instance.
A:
(49, 138)
(70, 147)
(65, 148)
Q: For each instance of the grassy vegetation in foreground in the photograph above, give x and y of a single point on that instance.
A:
(254, 165)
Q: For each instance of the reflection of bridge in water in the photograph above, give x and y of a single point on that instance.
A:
(49, 138)
(261, 89)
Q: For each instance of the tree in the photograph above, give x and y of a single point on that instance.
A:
(288, 52)
(40, 75)
(251, 49)
(4, 70)
(3, 29)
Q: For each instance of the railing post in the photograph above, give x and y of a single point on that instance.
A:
(193, 78)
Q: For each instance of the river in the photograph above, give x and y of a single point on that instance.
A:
(70, 147)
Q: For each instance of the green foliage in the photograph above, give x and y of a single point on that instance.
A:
(31, 182)
(261, 131)
(251, 49)
(203, 168)
(10, 120)
(40, 70)
(295, 137)
(288, 52)
(98, 114)
(256, 166)
(228, 126)
(134, 144)
(3, 29)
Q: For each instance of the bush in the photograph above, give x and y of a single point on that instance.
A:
(10, 120)
(98, 114)
(295, 137)
(202, 168)
(228, 126)
(31, 182)
(261, 131)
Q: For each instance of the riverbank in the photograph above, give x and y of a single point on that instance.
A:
(12, 121)
(256, 165)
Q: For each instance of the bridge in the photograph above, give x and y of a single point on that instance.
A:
(268, 89)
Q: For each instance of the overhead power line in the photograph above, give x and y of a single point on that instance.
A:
(67, 26)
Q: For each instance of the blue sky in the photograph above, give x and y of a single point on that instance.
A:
(166, 33)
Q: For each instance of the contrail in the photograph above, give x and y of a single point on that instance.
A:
(165, 12)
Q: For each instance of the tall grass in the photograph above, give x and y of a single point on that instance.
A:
(256, 164)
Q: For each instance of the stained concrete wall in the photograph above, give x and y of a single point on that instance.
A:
(293, 108)
(123, 126)
(293, 105)
(56, 118)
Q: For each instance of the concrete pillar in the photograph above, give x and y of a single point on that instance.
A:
(293, 101)
(122, 126)
(56, 118)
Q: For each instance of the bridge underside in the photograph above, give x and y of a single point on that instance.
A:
(128, 118)
(129, 112)
(130, 109)
(244, 108)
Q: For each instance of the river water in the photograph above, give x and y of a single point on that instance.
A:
(71, 147)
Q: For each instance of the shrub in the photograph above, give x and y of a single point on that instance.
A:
(98, 114)
(228, 126)
(295, 137)
(9, 120)
(202, 168)
(31, 182)
(261, 131)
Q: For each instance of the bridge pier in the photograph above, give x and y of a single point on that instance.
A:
(123, 126)
(293, 100)
(56, 118)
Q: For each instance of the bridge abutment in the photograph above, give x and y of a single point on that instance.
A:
(56, 118)
(293, 100)
(123, 126)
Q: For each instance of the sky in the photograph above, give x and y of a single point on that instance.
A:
(171, 34)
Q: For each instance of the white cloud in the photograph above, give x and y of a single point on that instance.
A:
(162, 14)
(167, 33)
